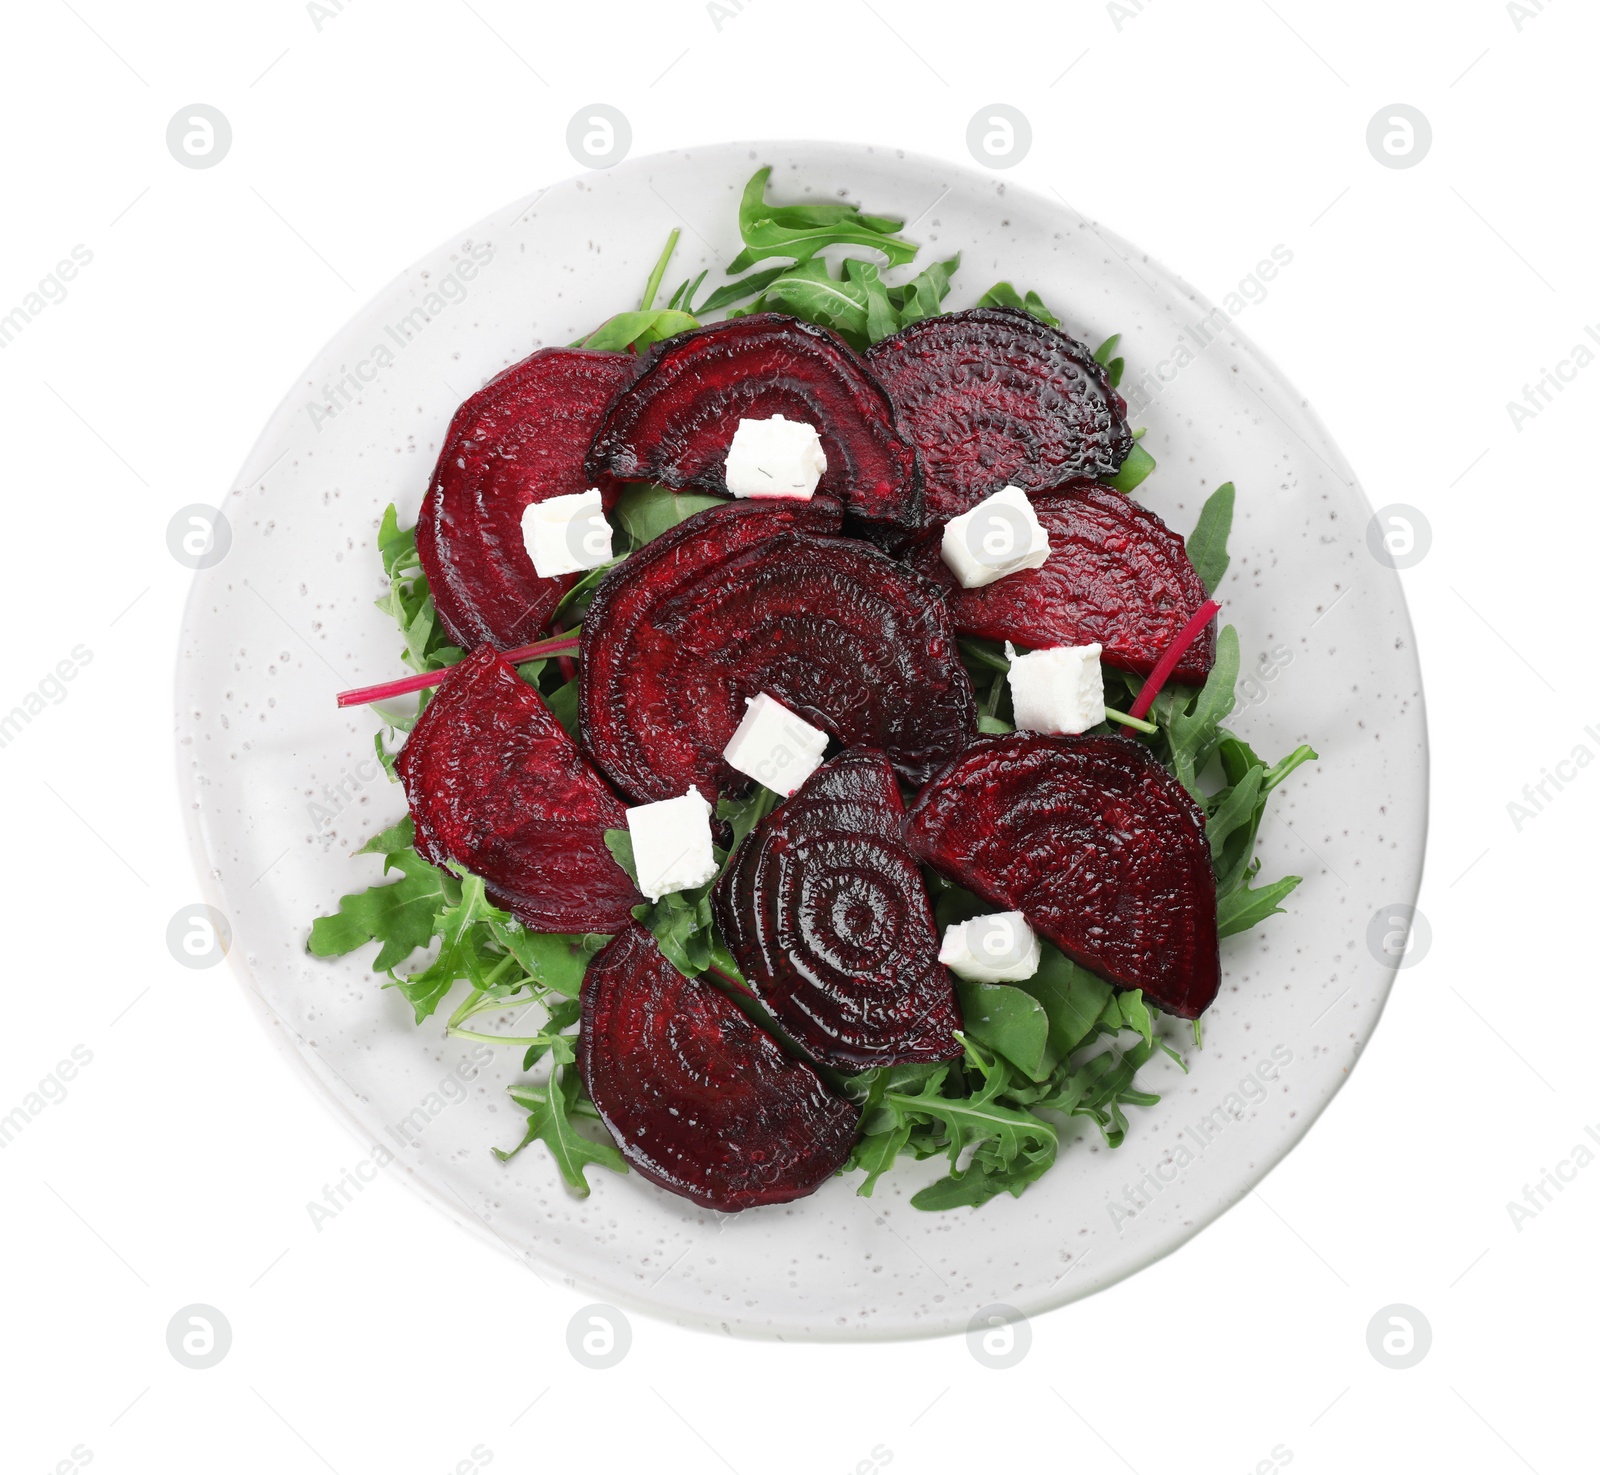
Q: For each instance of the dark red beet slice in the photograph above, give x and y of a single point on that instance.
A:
(993, 396)
(520, 439)
(747, 597)
(825, 912)
(1117, 574)
(1096, 844)
(496, 785)
(700, 1099)
(675, 423)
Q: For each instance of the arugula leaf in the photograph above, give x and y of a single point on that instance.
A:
(1135, 469)
(1073, 999)
(1251, 904)
(408, 602)
(1010, 1022)
(1191, 719)
(1208, 543)
(681, 921)
(550, 1110)
(636, 331)
(646, 510)
(462, 950)
(800, 231)
(399, 915)
(1003, 294)
(563, 1014)
(923, 296)
(552, 960)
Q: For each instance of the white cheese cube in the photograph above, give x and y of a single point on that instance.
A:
(1001, 535)
(566, 535)
(775, 458)
(672, 844)
(999, 948)
(774, 746)
(1057, 690)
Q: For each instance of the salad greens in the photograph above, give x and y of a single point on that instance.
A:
(1061, 1045)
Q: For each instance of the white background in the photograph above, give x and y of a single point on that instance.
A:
(179, 1165)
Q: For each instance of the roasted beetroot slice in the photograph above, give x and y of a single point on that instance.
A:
(700, 1099)
(826, 914)
(496, 785)
(992, 397)
(1096, 844)
(747, 597)
(675, 423)
(1117, 575)
(520, 439)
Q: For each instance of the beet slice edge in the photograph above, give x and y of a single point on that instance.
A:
(702, 1101)
(496, 785)
(1096, 844)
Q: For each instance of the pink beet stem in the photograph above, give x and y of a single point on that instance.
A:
(1171, 656)
(365, 695)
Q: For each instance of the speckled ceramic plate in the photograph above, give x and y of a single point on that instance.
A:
(280, 787)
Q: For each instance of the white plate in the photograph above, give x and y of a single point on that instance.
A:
(286, 619)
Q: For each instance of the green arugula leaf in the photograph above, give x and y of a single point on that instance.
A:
(1251, 904)
(1135, 469)
(1010, 1022)
(646, 510)
(553, 960)
(462, 950)
(800, 231)
(922, 297)
(636, 331)
(563, 1014)
(1191, 720)
(399, 915)
(1003, 294)
(1073, 999)
(1208, 543)
(550, 1111)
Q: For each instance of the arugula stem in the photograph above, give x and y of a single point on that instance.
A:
(1127, 721)
(653, 286)
(472, 1034)
(363, 696)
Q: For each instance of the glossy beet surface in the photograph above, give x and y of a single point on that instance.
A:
(701, 1100)
(824, 910)
(747, 597)
(520, 439)
(675, 423)
(1117, 574)
(992, 396)
(496, 785)
(1096, 843)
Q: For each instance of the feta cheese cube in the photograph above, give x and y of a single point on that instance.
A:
(774, 746)
(672, 844)
(1057, 690)
(566, 535)
(775, 458)
(999, 948)
(1001, 535)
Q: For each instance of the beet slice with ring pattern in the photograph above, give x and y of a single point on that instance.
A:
(1117, 575)
(496, 785)
(994, 397)
(674, 423)
(520, 439)
(825, 912)
(1096, 844)
(701, 1100)
(751, 597)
